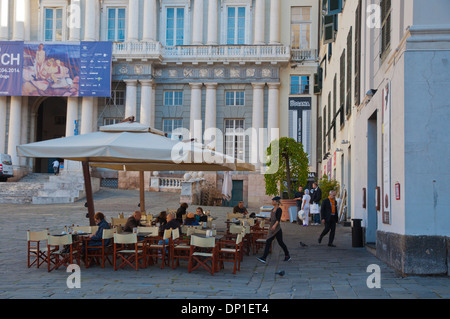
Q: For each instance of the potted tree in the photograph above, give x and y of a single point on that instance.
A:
(327, 185)
(288, 169)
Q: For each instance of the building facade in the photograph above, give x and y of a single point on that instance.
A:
(181, 66)
(384, 113)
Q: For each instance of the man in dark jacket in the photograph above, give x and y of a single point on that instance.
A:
(329, 217)
(133, 222)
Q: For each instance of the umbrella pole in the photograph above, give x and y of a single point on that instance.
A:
(88, 188)
(142, 191)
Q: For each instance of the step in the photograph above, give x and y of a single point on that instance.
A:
(45, 200)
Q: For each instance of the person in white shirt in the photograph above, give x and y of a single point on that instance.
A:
(56, 167)
(305, 207)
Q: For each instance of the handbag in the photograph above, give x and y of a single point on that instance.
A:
(301, 214)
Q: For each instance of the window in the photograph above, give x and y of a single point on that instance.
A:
(170, 125)
(116, 24)
(342, 90)
(175, 26)
(301, 28)
(235, 138)
(348, 108)
(234, 98)
(173, 98)
(111, 120)
(117, 98)
(357, 75)
(299, 84)
(236, 25)
(53, 24)
(385, 27)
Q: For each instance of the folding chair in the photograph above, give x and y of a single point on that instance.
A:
(158, 248)
(179, 248)
(127, 255)
(57, 257)
(35, 250)
(203, 253)
(94, 253)
(231, 251)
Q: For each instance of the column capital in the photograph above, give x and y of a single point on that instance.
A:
(273, 85)
(210, 85)
(146, 82)
(131, 82)
(258, 85)
(196, 85)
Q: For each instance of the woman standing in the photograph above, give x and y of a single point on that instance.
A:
(305, 207)
(275, 231)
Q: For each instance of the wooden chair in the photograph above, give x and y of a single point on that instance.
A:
(35, 251)
(57, 257)
(179, 248)
(126, 248)
(231, 251)
(84, 229)
(151, 231)
(157, 247)
(259, 237)
(203, 253)
(118, 221)
(94, 253)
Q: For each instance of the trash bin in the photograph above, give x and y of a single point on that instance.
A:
(357, 233)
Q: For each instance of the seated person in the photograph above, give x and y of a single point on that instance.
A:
(162, 218)
(190, 220)
(172, 222)
(181, 211)
(133, 222)
(200, 216)
(96, 239)
(240, 209)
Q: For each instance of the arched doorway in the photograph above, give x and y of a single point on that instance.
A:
(50, 123)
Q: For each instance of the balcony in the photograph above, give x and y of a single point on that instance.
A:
(300, 55)
(154, 51)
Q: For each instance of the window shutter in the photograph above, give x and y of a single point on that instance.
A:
(329, 29)
(334, 6)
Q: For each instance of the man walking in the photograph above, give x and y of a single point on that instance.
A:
(329, 216)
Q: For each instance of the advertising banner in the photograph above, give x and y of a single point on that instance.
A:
(55, 69)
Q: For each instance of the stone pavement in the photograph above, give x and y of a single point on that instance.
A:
(315, 272)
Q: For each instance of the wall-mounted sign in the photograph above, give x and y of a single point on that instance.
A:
(55, 69)
(299, 103)
(386, 115)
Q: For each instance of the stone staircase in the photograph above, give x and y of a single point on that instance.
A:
(46, 189)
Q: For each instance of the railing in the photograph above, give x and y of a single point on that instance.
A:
(213, 53)
(299, 55)
(170, 182)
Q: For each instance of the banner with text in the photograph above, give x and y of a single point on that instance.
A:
(55, 69)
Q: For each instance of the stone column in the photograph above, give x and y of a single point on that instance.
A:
(147, 111)
(24, 128)
(87, 111)
(273, 118)
(210, 108)
(95, 115)
(75, 21)
(131, 96)
(90, 20)
(257, 122)
(4, 25)
(133, 20)
(212, 22)
(197, 24)
(19, 20)
(260, 12)
(275, 21)
(150, 21)
(15, 116)
(196, 111)
(2, 124)
(72, 115)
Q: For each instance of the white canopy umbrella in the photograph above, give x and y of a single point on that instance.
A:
(131, 146)
(227, 186)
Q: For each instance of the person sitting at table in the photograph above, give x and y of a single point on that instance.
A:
(190, 220)
(181, 211)
(162, 218)
(240, 209)
(96, 239)
(172, 222)
(133, 222)
(200, 216)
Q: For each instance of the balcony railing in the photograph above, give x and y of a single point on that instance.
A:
(300, 55)
(208, 53)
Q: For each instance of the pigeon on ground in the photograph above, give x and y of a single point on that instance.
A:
(281, 273)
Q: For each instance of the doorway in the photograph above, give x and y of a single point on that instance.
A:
(50, 124)
(237, 193)
(372, 173)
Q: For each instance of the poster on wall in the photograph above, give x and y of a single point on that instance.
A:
(55, 69)
(386, 113)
